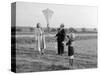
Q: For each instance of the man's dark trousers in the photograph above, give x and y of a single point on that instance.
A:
(60, 48)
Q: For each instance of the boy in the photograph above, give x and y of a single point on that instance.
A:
(70, 49)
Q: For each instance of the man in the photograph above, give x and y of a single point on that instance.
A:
(60, 39)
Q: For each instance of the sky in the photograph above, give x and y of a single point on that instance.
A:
(29, 14)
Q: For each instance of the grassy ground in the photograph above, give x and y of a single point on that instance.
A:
(28, 58)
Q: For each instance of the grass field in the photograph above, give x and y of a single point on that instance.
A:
(28, 58)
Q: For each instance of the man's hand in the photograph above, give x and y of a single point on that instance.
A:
(64, 42)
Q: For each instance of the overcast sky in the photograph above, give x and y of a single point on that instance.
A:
(28, 14)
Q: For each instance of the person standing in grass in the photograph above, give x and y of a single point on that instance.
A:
(40, 39)
(60, 39)
(70, 39)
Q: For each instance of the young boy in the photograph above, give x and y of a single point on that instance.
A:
(70, 49)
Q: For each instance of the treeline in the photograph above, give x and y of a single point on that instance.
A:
(75, 30)
(52, 30)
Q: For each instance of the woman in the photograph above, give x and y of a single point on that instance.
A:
(40, 38)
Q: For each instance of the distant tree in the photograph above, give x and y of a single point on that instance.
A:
(18, 30)
(31, 29)
(72, 30)
(46, 30)
(83, 29)
(95, 29)
(53, 30)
